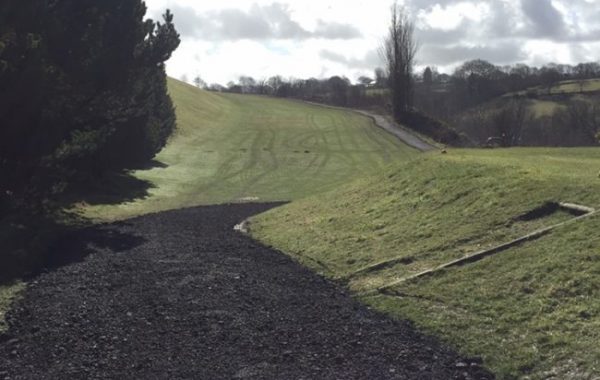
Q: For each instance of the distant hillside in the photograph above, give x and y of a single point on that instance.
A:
(566, 114)
(562, 88)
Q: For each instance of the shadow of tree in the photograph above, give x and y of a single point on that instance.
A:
(75, 246)
(32, 242)
(113, 188)
(45, 245)
(151, 165)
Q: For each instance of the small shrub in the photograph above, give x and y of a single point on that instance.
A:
(434, 128)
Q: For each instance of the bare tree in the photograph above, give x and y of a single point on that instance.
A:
(427, 76)
(380, 78)
(262, 87)
(216, 87)
(399, 50)
(550, 76)
(585, 119)
(365, 80)
(198, 82)
(248, 84)
(339, 90)
(275, 82)
(510, 120)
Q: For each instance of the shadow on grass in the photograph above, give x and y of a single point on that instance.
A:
(112, 188)
(151, 165)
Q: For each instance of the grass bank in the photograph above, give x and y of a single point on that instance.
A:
(231, 148)
(530, 311)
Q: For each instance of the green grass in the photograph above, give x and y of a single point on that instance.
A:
(564, 87)
(7, 294)
(570, 87)
(530, 311)
(550, 103)
(543, 108)
(231, 148)
(378, 92)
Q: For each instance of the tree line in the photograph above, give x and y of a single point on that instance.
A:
(82, 92)
(506, 103)
(456, 107)
(458, 101)
(336, 90)
(478, 81)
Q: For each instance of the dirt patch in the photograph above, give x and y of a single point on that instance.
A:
(185, 296)
(543, 211)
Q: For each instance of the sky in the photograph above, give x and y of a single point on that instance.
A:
(225, 39)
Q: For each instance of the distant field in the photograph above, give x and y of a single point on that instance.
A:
(377, 91)
(564, 87)
(530, 311)
(231, 148)
(542, 108)
(551, 101)
(540, 127)
(589, 85)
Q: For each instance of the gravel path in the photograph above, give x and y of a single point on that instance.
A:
(408, 138)
(180, 295)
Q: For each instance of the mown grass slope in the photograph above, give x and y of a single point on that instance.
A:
(530, 311)
(232, 148)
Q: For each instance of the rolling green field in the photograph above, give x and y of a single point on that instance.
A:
(561, 88)
(235, 148)
(568, 87)
(530, 311)
(548, 118)
(543, 108)
(378, 92)
(581, 90)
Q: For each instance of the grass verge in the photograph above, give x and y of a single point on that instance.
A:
(531, 311)
(8, 293)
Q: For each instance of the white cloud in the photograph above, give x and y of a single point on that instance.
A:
(451, 16)
(223, 39)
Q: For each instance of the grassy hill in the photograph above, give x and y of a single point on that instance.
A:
(548, 118)
(231, 148)
(532, 310)
(562, 88)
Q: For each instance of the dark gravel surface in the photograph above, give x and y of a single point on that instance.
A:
(180, 295)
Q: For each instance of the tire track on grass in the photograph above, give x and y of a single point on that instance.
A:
(255, 154)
